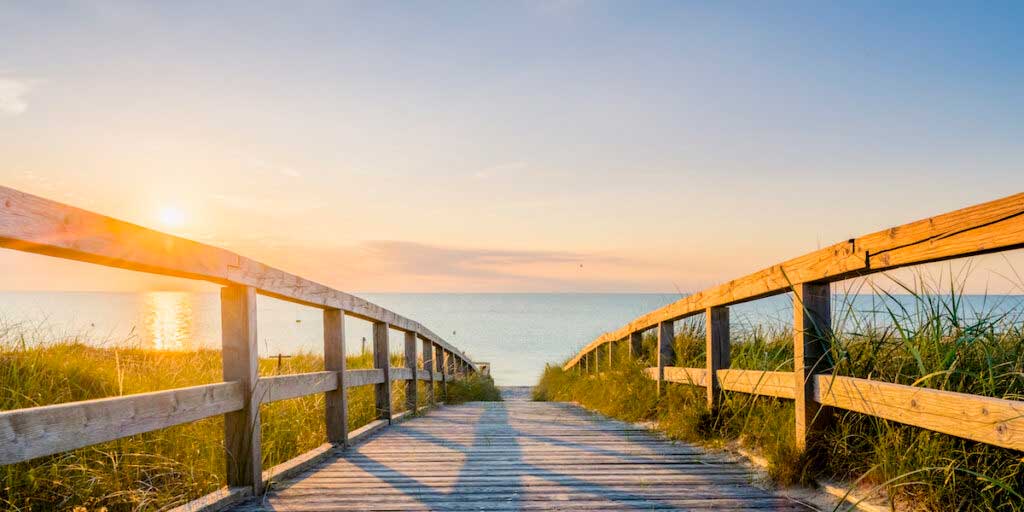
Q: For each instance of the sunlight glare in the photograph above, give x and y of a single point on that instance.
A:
(172, 217)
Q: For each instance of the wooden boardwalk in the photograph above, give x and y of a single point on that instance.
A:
(520, 455)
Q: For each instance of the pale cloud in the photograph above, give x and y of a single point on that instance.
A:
(13, 96)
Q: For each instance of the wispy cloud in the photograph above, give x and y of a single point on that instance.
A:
(13, 96)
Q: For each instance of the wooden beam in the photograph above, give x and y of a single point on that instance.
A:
(285, 387)
(636, 345)
(381, 361)
(716, 327)
(334, 361)
(411, 360)
(34, 224)
(38, 431)
(988, 227)
(679, 375)
(439, 356)
(400, 374)
(241, 364)
(812, 321)
(988, 420)
(428, 366)
(356, 378)
(757, 382)
(666, 352)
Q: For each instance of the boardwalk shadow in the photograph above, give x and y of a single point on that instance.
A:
(495, 473)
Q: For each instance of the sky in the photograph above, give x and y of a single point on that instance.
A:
(543, 146)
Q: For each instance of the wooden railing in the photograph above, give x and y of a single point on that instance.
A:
(985, 228)
(33, 224)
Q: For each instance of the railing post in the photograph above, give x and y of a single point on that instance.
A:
(439, 368)
(716, 326)
(411, 387)
(812, 324)
(334, 361)
(611, 350)
(666, 352)
(428, 366)
(636, 345)
(241, 363)
(382, 361)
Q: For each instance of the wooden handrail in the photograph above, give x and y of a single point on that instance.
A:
(989, 227)
(33, 224)
(984, 228)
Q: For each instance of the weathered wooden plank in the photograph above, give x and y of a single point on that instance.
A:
(411, 361)
(38, 431)
(381, 361)
(427, 373)
(336, 400)
(716, 327)
(34, 224)
(988, 227)
(355, 378)
(511, 455)
(399, 373)
(812, 324)
(989, 420)
(679, 375)
(666, 351)
(241, 363)
(757, 382)
(284, 387)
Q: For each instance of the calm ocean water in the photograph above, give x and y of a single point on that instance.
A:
(517, 333)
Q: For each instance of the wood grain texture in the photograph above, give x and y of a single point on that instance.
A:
(285, 387)
(988, 420)
(988, 227)
(679, 375)
(716, 327)
(400, 373)
(382, 361)
(428, 369)
(520, 455)
(812, 324)
(34, 224)
(666, 351)
(757, 382)
(411, 360)
(336, 400)
(38, 431)
(242, 437)
(355, 378)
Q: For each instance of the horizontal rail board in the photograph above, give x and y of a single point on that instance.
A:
(757, 382)
(34, 224)
(355, 378)
(38, 431)
(989, 420)
(994, 226)
(284, 387)
(422, 374)
(397, 373)
(691, 376)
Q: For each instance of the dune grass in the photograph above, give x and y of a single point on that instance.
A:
(165, 468)
(926, 337)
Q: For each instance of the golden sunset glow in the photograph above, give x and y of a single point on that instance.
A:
(172, 217)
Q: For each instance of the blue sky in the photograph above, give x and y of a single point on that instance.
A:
(664, 144)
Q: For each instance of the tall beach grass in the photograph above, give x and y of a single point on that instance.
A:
(165, 468)
(927, 335)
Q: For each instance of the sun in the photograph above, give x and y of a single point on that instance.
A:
(172, 217)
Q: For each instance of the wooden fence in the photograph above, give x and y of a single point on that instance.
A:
(985, 228)
(33, 224)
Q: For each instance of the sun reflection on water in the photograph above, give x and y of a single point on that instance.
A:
(168, 319)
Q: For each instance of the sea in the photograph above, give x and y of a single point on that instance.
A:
(518, 333)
